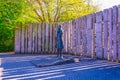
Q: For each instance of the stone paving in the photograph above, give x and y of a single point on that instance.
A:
(19, 67)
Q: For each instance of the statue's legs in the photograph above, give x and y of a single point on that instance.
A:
(59, 53)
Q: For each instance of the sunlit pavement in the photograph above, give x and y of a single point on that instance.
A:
(19, 67)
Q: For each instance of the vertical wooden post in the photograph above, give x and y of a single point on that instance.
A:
(39, 38)
(82, 44)
(74, 36)
(99, 51)
(26, 39)
(84, 36)
(89, 35)
(78, 36)
(23, 39)
(110, 35)
(54, 36)
(115, 53)
(105, 31)
(51, 38)
(43, 37)
(17, 40)
(30, 38)
(20, 36)
(68, 37)
(63, 37)
(93, 36)
(35, 38)
(47, 27)
(119, 33)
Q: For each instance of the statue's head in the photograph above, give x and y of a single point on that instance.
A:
(59, 30)
(59, 27)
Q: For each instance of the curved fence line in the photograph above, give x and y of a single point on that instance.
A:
(94, 35)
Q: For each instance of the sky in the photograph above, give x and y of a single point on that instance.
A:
(104, 4)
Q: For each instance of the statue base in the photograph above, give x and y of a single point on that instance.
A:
(55, 61)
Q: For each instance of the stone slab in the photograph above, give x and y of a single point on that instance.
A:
(55, 61)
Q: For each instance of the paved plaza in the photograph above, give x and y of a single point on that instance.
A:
(19, 67)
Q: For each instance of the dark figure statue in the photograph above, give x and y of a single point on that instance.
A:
(59, 42)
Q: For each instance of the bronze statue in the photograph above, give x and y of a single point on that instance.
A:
(59, 42)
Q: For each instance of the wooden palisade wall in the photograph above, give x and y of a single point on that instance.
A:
(94, 35)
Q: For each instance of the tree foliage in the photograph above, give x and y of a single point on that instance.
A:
(13, 12)
(9, 12)
(61, 10)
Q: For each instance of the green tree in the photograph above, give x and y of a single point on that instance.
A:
(10, 11)
(61, 10)
(13, 12)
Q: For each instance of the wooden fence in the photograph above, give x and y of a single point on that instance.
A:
(94, 35)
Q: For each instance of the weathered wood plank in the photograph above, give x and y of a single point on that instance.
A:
(68, 37)
(36, 37)
(51, 39)
(33, 38)
(84, 35)
(115, 53)
(23, 39)
(17, 40)
(64, 35)
(110, 35)
(39, 38)
(26, 39)
(89, 35)
(47, 31)
(78, 36)
(119, 33)
(43, 37)
(82, 44)
(34, 26)
(30, 38)
(74, 36)
(93, 36)
(99, 51)
(54, 35)
(105, 31)
(118, 41)
(65, 32)
(80, 25)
